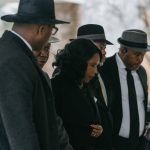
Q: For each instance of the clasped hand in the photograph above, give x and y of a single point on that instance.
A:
(96, 130)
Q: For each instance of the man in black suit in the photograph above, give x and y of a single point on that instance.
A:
(28, 120)
(128, 80)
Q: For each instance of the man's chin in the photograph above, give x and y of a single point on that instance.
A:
(134, 68)
(41, 64)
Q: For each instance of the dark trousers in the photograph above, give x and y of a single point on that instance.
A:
(122, 143)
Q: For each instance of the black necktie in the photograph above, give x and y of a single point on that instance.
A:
(134, 116)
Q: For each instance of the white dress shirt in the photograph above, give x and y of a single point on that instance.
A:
(125, 125)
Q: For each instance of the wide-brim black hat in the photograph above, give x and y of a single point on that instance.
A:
(92, 32)
(34, 11)
(134, 39)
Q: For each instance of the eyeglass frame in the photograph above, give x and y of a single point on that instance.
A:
(54, 28)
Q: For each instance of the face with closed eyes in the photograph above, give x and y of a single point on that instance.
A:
(42, 55)
(92, 67)
(132, 59)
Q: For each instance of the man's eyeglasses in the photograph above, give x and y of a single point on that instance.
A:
(54, 30)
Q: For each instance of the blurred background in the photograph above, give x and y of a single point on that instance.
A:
(114, 15)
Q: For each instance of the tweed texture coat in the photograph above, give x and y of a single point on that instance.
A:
(28, 120)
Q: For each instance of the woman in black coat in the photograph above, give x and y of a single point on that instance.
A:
(75, 103)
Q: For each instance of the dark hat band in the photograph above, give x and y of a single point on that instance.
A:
(92, 36)
(133, 44)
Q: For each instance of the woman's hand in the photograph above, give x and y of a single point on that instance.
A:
(96, 130)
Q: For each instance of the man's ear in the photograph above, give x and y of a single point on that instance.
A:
(125, 50)
(40, 29)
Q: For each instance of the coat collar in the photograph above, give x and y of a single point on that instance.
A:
(27, 51)
(22, 39)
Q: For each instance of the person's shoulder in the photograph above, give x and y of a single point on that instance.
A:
(141, 68)
(107, 64)
(109, 59)
(56, 71)
(142, 71)
(61, 82)
(57, 80)
(46, 75)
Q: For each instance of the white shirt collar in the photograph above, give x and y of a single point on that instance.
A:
(120, 63)
(29, 46)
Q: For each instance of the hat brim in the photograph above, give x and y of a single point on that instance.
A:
(134, 48)
(29, 20)
(107, 42)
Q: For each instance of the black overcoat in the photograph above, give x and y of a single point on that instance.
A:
(28, 119)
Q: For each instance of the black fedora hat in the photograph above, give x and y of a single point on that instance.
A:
(92, 32)
(134, 39)
(34, 11)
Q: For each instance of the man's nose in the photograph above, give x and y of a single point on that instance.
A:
(104, 52)
(43, 53)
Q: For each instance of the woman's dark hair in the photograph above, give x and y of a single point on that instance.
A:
(72, 60)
